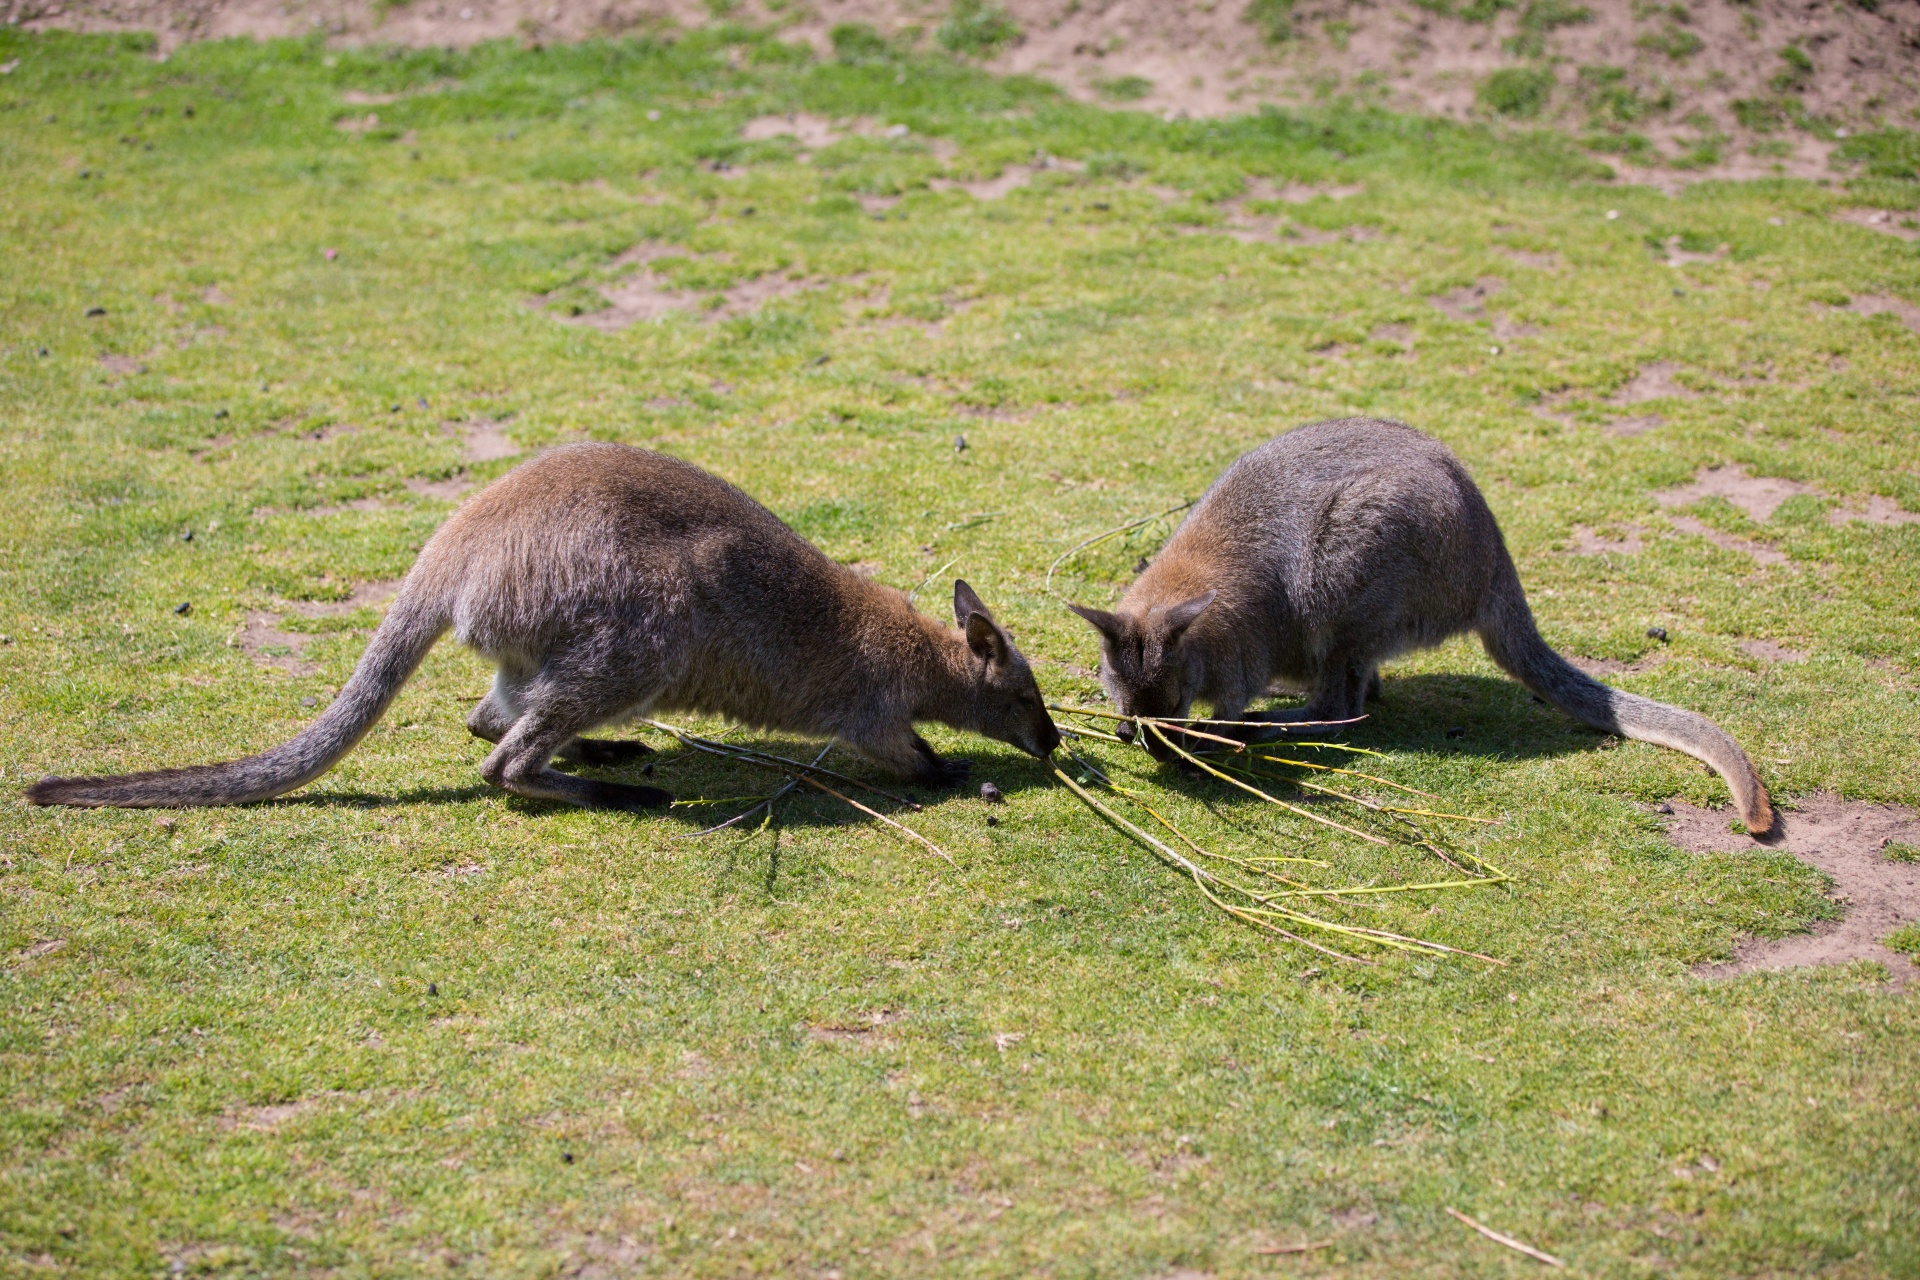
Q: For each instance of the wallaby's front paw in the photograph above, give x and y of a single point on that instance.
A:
(946, 773)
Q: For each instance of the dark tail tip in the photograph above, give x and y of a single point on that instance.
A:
(72, 791)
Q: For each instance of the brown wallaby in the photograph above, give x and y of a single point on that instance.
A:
(1320, 555)
(608, 582)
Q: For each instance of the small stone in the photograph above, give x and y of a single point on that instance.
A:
(990, 793)
(309, 701)
(184, 608)
(394, 409)
(1456, 732)
(1663, 807)
(96, 311)
(959, 444)
(1657, 633)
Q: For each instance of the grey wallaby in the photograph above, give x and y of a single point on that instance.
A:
(607, 582)
(1320, 555)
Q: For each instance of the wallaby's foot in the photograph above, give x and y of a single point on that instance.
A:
(943, 773)
(603, 751)
(933, 771)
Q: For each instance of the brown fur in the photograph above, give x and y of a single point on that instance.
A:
(606, 583)
(1318, 556)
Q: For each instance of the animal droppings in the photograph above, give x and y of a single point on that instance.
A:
(184, 608)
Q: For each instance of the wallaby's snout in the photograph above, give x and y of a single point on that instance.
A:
(1006, 699)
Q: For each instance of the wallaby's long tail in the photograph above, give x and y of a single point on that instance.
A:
(1507, 629)
(407, 633)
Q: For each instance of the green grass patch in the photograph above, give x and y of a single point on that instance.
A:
(1521, 92)
(398, 1023)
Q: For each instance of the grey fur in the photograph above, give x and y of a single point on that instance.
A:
(1318, 556)
(607, 583)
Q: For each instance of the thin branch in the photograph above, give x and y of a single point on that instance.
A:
(766, 804)
(875, 813)
(1506, 1240)
(1291, 808)
(1099, 538)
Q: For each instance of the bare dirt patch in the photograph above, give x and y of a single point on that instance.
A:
(1586, 542)
(1772, 651)
(1847, 840)
(1877, 304)
(1597, 667)
(1889, 221)
(646, 295)
(1529, 258)
(486, 441)
(1635, 425)
(261, 638)
(1203, 58)
(1654, 382)
(1759, 551)
(1875, 510)
(1009, 179)
(808, 130)
(1468, 302)
(862, 1030)
(122, 366)
(44, 947)
(1679, 257)
(1758, 496)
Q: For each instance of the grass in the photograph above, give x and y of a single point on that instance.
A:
(401, 1024)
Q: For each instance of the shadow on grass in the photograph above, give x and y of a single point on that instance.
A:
(693, 775)
(1486, 719)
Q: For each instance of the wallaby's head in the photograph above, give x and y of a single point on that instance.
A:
(1003, 700)
(1143, 661)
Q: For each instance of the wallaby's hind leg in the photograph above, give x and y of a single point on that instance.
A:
(555, 706)
(495, 714)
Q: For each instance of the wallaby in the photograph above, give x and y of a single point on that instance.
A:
(1320, 555)
(607, 582)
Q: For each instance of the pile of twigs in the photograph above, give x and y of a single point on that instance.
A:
(1251, 888)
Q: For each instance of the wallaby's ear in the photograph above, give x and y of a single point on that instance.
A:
(1102, 621)
(986, 639)
(967, 601)
(1175, 619)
